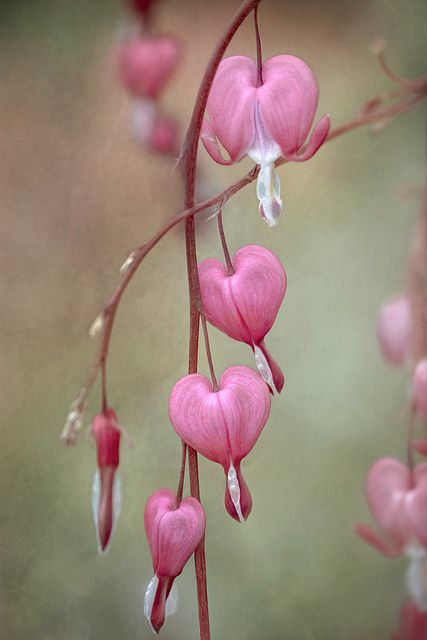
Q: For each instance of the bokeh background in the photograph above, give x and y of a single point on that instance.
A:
(76, 196)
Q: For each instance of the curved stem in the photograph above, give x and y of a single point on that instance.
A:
(181, 474)
(215, 384)
(228, 261)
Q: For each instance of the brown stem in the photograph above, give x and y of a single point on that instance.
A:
(228, 261)
(181, 474)
(260, 80)
(215, 384)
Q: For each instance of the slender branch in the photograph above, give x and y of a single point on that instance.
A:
(181, 474)
(215, 384)
(228, 261)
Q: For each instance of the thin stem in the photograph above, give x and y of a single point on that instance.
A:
(104, 386)
(260, 80)
(215, 384)
(410, 437)
(230, 268)
(69, 434)
(181, 473)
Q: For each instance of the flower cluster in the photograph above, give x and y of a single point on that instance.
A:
(145, 64)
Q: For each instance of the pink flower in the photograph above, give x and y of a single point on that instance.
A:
(394, 330)
(244, 304)
(413, 623)
(152, 129)
(106, 490)
(173, 533)
(223, 425)
(146, 64)
(264, 122)
(397, 499)
(419, 389)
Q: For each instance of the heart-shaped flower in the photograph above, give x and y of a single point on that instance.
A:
(244, 304)
(106, 489)
(146, 63)
(397, 498)
(263, 121)
(173, 531)
(223, 425)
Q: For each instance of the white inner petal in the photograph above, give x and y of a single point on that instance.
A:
(143, 117)
(416, 580)
(149, 600)
(263, 367)
(117, 505)
(172, 601)
(234, 490)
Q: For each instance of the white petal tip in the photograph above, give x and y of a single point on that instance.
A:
(263, 367)
(234, 490)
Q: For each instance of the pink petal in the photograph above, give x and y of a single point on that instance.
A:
(413, 622)
(420, 445)
(230, 108)
(209, 139)
(276, 372)
(371, 537)
(317, 138)
(394, 329)
(387, 483)
(416, 504)
(419, 391)
(288, 101)
(245, 304)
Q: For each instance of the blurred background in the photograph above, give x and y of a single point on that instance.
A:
(76, 196)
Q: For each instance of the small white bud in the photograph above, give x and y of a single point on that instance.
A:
(234, 490)
(97, 326)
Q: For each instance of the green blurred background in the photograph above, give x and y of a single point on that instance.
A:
(76, 197)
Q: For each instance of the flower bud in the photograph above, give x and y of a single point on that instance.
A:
(173, 531)
(263, 121)
(244, 304)
(223, 425)
(413, 623)
(394, 330)
(106, 490)
(146, 63)
(419, 389)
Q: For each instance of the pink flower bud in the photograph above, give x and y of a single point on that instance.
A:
(146, 64)
(106, 490)
(264, 122)
(394, 330)
(244, 304)
(397, 499)
(413, 623)
(173, 532)
(140, 6)
(419, 389)
(223, 425)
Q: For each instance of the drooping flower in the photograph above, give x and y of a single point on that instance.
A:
(157, 132)
(419, 389)
(223, 425)
(265, 121)
(146, 63)
(244, 304)
(173, 531)
(397, 498)
(106, 489)
(413, 623)
(394, 330)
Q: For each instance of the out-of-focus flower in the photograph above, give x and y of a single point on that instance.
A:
(223, 425)
(146, 63)
(394, 330)
(173, 531)
(397, 498)
(419, 389)
(244, 304)
(106, 490)
(413, 623)
(264, 121)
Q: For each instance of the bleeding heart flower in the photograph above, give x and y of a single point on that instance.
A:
(173, 533)
(419, 389)
(223, 425)
(264, 121)
(244, 304)
(106, 489)
(152, 129)
(394, 330)
(413, 623)
(397, 499)
(146, 63)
